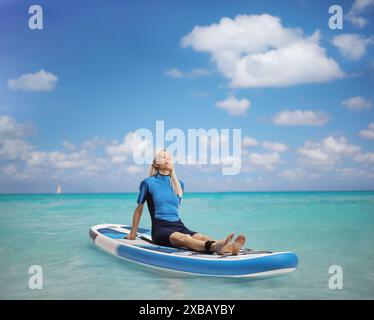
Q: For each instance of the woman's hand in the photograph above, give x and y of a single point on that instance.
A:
(135, 222)
(130, 237)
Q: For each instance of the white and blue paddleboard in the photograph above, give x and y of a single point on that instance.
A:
(248, 263)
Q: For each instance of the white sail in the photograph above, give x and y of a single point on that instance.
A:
(58, 189)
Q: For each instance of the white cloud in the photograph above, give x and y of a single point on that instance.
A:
(75, 160)
(68, 146)
(359, 7)
(355, 173)
(234, 106)
(194, 73)
(9, 170)
(96, 166)
(38, 81)
(36, 158)
(292, 175)
(20, 160)
(369, 132)
(94, 143)
(264, 160)
(27, 162)
(352, 46)
(58, 160)
(10, 128)
(16, 172)
(357, 103)
(315, 156)
(365, 157)
(339, 145)
(121, 152)
(297, 174)
(275, 146)
(300, 118)
(327, 152)
(249, 142)
(258, 51)
(84, 161)
(174, 73)
(134, 169)
(14, 149)
(347, 171)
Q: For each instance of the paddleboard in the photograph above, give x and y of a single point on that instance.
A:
(248, 263)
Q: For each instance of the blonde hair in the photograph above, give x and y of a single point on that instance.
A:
(153, 169)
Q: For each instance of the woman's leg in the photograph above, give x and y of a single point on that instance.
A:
(178, 239)
(202, 237)
(233, 247)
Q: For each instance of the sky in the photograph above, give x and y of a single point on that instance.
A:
(74, 91)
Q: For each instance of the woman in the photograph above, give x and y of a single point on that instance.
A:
(163, 193)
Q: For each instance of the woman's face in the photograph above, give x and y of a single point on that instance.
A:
(164, 161)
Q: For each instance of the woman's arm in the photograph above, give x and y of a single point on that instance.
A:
(135, 222)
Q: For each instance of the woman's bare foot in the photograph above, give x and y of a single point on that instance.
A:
(237, 244)
(219, 245)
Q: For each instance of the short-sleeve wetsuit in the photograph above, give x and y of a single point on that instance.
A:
(163, 206)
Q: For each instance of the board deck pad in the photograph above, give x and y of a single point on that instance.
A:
(114, 233)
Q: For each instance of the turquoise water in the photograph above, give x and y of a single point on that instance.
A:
(322, 228)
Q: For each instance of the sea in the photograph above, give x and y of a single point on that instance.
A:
(332, 234)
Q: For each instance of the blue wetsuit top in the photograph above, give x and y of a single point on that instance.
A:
(162, 202)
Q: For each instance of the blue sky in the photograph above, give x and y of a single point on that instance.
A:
(99, 70)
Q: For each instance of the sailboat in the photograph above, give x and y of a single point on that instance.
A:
(58, 191)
